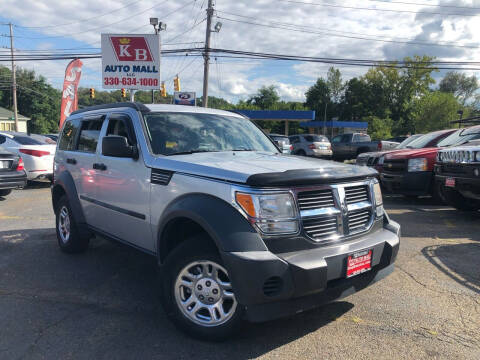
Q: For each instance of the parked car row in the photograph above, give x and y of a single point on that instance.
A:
(412, 169)
(12, 172)
(36, 151)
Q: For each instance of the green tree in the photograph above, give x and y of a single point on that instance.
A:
(335, 84)
(379, 129)
(265, 98)
(434, 111)
(318, 98)
(463, 87)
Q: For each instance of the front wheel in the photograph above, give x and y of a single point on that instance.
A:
(198, 294)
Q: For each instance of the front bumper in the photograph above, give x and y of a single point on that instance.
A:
(407, 183)
(13, 180)
(276, 285)
(469, 187)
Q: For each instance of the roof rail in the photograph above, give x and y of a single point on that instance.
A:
(134, 105)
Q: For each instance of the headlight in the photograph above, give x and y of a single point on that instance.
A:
(272, 213)
(377, 192)
(419, 164)
(381, 160)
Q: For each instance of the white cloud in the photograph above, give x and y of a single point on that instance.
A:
(336, 33)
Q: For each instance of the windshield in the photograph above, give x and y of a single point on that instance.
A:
(407, 141)
(315, 138)
(423, 141)
(461, 136)
(174, 133)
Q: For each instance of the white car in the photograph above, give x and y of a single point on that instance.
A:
(37, 156)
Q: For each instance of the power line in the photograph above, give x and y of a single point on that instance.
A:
(426, 4)
(291, 27)
(79, 21)
(375, 9)
(100, 27)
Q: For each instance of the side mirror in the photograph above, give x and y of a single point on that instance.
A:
(117, 146)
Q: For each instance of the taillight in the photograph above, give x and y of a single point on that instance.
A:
(37, 153)
(291, 147)
(379, 146)
(20, 165)
(312, 146)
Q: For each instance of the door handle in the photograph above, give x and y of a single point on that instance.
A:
(71, 161)
(101, 167)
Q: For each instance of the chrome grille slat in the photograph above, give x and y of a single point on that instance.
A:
(336, 211)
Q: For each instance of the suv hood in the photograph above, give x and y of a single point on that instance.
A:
(411, 153)
(262, 169)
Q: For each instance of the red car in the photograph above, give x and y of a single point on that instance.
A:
(410, 172)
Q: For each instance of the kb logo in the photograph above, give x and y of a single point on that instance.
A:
(132, 48)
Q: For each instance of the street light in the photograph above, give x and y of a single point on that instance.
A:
(217, 27)
(157, 26)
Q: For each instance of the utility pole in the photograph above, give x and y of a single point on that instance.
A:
(153, 91)
(206, 55)
(14, 80)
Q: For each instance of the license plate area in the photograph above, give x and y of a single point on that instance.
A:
(359, 262)
(450, 182)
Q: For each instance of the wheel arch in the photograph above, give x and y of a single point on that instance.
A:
(65, 185)
(190, 214)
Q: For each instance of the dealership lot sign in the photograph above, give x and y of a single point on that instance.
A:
(130, 61)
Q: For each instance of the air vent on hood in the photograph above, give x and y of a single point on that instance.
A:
(161, 177)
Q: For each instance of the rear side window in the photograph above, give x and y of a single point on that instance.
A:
(89, 134)
(361, 138)
(26, 140)
(295, 139)
(67, 139)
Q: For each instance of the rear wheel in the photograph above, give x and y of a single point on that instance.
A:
(5, 192)
(301, 153)
(198, 294)
(69, 238)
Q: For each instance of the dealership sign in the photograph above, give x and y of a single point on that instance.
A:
(184, 98)
(130, 61)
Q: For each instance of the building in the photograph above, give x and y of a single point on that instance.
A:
(7, 121)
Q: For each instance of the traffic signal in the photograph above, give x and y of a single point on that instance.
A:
(92, 93)
(124, 93)
(163, 89)
(176, 83)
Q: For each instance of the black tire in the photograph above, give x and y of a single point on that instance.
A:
(196, 249)
(459, 202)
(74, 242)
(301, 153)
(438, 193)
(5, 192)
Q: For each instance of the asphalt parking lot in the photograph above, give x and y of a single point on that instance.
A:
(104, 303)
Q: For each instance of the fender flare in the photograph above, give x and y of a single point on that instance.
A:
(66, 182)
(227, 227)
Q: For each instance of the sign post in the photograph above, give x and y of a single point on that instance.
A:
(184, 98)
(130, 62)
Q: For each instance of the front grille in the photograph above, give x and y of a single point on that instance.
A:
(453, 169)
(337, 211)
(356, 194)
(359, 220)
(308, 200)
(321, 227)
(395, 165)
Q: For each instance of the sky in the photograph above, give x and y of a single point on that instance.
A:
(367, 29)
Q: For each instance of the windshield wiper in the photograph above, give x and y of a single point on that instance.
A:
(190, 152)
(241, 150)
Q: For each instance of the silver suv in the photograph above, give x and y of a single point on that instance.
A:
(239, 230)
(311, 145)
